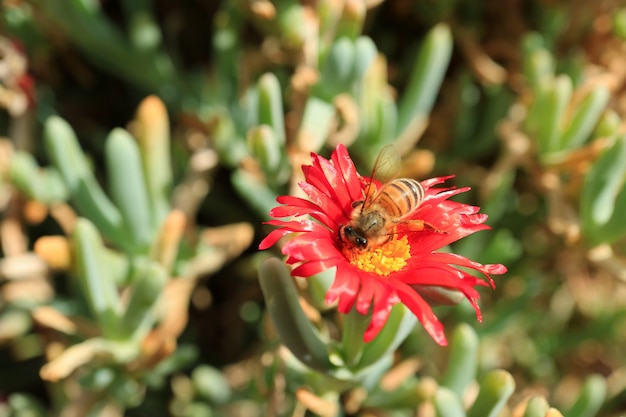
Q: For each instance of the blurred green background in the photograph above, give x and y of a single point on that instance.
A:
(144, 142)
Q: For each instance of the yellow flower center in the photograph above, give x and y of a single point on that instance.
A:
(385, 259)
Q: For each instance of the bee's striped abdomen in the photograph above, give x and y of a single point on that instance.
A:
(400, 197)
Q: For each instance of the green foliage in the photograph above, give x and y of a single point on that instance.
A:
(294, 328)
(135, 307)
(603, 196)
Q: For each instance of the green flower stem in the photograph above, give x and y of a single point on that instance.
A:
(397, 328)
(369, 377)
(354, 325)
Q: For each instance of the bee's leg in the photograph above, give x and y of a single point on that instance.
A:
(340, 233)
(417, 225)
(434, 229)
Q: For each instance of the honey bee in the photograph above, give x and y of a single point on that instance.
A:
(374, 219)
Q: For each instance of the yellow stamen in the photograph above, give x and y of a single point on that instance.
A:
(385, 259)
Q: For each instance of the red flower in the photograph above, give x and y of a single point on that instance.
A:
(394, 271)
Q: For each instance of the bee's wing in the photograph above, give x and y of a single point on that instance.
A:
(387, 164)
(385, 168)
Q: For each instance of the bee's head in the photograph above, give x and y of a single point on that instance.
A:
(354, 236)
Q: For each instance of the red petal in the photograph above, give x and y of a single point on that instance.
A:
(422, 310)
(329, 206)
(427, 242)
(308, 269)
(303, 225)
(473, 299)
(496, 269)
(444, 194)
(311, 247)
(295, 206)
(379, 318)
(351, 177)
(453, 258)
(434, 181)
(366, 294)
(272, 238)
(384, 299)
(314, 176)
(345, 288)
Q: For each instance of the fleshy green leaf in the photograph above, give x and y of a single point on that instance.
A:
(211, 384)
(590, 399)
(86, 194)
(426, 78)
(448, 404)
(153, 136)
(603, 195)
(128, 186)
(257, 195)
(536, 407)
(494, 392)
(538, 63)
(463, 361)
(93, 275)
(545, 118)
(266, 147)
(271, 106)
(351, 21)
(318, 114)
(337, 70)
(585, 118)
(41, 184)
(293, 327)
(364, 53)
(146, 291)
